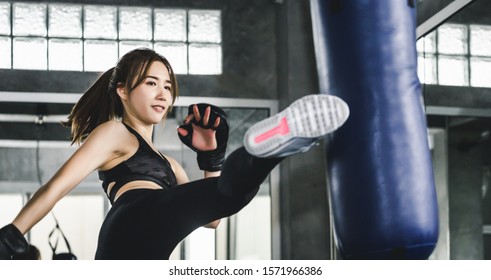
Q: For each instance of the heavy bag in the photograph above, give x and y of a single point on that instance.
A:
(381, 184)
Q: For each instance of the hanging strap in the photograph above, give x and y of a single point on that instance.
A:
(54, 246)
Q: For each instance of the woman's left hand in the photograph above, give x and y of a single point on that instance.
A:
(203, 138)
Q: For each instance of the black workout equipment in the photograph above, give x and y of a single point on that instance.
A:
(12, 242)
(381, 185)
(60, 256)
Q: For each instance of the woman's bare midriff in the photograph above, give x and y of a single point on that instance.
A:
(133, 185)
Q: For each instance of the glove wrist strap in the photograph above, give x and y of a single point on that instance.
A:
(211, 160)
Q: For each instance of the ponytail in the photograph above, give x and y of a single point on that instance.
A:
(97, 105)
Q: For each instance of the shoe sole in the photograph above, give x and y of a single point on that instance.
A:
(311, 116)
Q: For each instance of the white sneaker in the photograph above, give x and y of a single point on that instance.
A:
(297, 128)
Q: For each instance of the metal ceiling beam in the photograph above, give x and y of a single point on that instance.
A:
(438, 18)
(72, 98)
(26, 118)
(457, 111)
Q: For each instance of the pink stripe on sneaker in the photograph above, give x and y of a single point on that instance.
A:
(282, 129)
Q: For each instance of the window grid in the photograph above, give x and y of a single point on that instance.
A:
(83, 39)
(152, 42)
(468, 57)
(11, 36)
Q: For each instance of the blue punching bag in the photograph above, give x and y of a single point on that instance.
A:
(382, 191)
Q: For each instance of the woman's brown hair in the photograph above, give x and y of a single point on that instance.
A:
(101, 103)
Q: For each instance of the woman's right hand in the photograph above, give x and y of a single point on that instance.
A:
(12, 242)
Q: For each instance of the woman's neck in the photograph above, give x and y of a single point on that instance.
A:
(145, 130)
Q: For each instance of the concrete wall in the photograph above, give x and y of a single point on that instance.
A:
(465, 193)
(305, 215)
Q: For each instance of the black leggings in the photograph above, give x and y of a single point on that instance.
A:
(148, 224)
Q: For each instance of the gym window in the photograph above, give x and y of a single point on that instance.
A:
(74, 37)
(456, 55)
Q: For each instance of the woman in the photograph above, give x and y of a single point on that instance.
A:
(154, 206)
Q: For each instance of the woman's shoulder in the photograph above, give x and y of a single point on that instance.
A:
(112, 124)
(179, 172)
(110, 131)
(110, 127)
(173, 163)
(113, 135)
(171, 160)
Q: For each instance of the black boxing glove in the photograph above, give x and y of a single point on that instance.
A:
(12, 242)
(208, 160)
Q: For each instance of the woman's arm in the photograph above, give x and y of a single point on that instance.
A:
(209, 174)
(208, 136)
(182, 178)
(97, 149)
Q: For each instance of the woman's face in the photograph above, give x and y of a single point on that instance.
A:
(150, 101)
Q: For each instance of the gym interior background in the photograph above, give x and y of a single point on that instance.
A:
(259, 57)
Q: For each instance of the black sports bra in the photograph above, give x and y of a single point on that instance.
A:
(144, 165)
